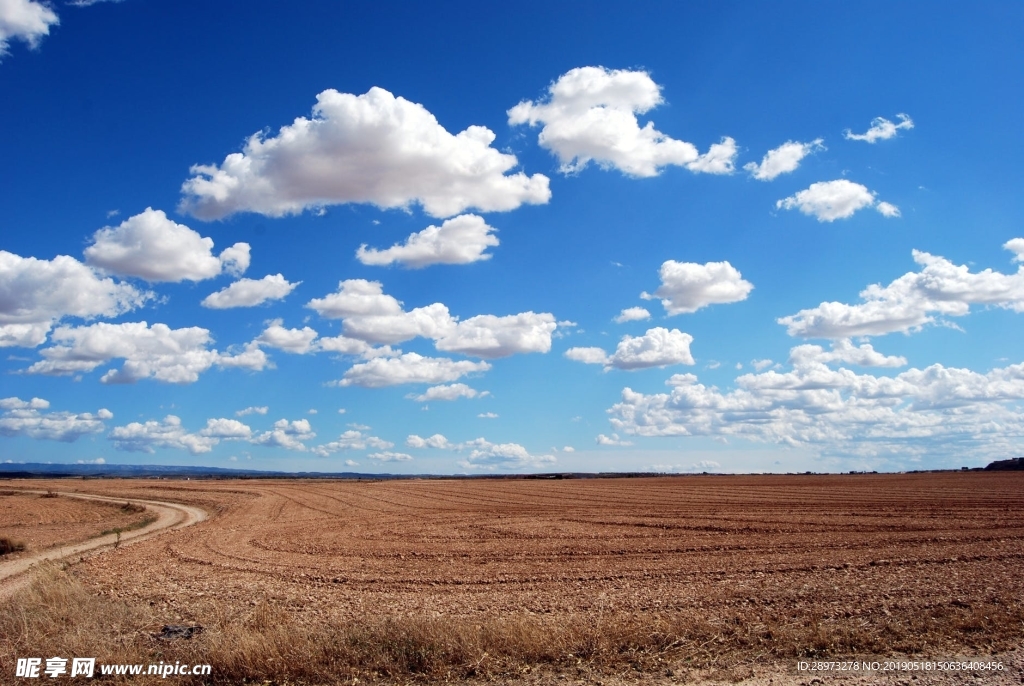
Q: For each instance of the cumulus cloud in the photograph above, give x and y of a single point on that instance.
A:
(388, 456)
(632, 314)
(226, 429)
(36, 294)
(26, 418)
(450, 392)
(409, 368)
(169, 433)
(839, 199)
(937, 409)
(881, 129)
(492, 337)
(373, 148)
(289, 435)
(939, 289)
(352, 440)
(590, 115)
(687, 286)
(486, 455)
(158, 352)
(784, 159)
(250, 292)
(368, 314)
(252, 410)
(25, 20)
(155, 248)
(459, 240)
(298, 341)
(437, 441)
(843, 350)
(611, 440)
(659, 347)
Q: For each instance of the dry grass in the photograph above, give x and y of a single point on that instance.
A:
(57, 615)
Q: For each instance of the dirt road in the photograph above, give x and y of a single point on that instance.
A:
(169, 516)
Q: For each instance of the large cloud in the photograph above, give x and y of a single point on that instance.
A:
(590, 114)
(155, 248)
(881, 129)
(370, 315)
(25, 20)
(459, 240)
(839, 199)
(250, 292)
(158, 352)
(448, 392)
(372, 148)
(783, 159)
(25, 418)
(352, 440)
(35, 294)
(659, 347)
(937, 409)
(409, 368)
(941, 288)
(145, 437)
(687, 286)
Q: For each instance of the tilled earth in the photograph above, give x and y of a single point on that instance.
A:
(41, 522)
(850, 553)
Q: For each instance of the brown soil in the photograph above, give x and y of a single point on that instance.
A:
(716, 577)
(44, 522)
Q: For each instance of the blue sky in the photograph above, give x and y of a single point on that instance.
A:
(586, 237)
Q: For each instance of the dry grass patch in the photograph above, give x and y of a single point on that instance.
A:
(9, 546)
(264, 643)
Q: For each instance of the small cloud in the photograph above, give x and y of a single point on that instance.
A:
(714, 364)
(312, 411)
(612, 440)
(341, 410)
(632, 314)
(568, 449)
(113, 213)
(352, 463)
(487, 415)
(98, 460)
(739, 365)
(252, 410)
(358, 427)
(761, 364)
(233, 458)
(881, 129)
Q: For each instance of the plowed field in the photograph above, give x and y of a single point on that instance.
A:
(758, 565)
(41, 522)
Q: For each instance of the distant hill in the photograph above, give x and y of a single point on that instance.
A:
(1014, 463)
(28, 470)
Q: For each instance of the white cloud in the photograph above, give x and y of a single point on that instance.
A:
(831, 200)
(169, 433)
(486, 455)
(1016, 246)
(25, 418)
(912, 301)
(450, 392)
(687, 286)
(409, 368)
(659, 347)
(590, 115)
(760, 365)
(843, 350)
(226, 429)
(368, 314)
(158, 352)
(372, 148)
(459, 240)
(587, 355)
(632, 314)
(155, 248)
(568, 449)
(881, 129)
(352, 440)
(298, 341)
(611, 440)
(250, 292)
(437, 441)
(35, 294)
(492, 337)
(938, 410)
(783, 159)
(388, 456)
(25, 20)
(887, 209)
(487, 415)
(252, 410)
(288, 435)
